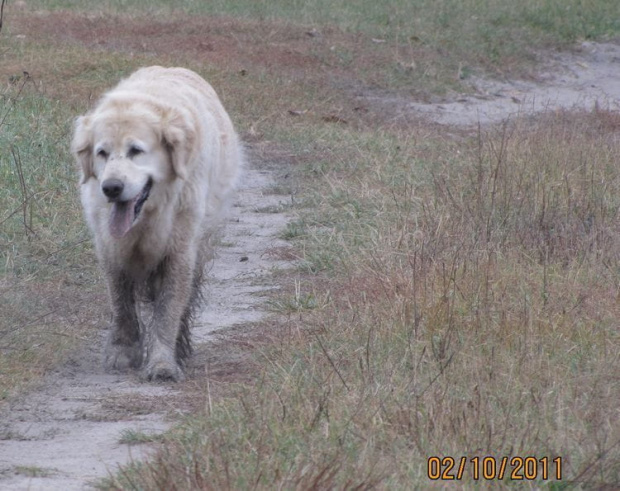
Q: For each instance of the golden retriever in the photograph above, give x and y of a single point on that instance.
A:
(159, 160)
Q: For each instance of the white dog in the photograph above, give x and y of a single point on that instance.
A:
(159, 161)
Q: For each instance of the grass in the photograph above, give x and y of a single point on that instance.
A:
(568, 20)
(456, 297)
(43, 244)
(472, 312)
(424, 47)
(32, 174)
(299, 302)
(136, 437)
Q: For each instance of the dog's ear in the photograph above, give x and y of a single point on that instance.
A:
(179, 139)
(82, 147)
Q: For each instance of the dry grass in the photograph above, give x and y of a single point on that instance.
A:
(472, 312)
(480, 301)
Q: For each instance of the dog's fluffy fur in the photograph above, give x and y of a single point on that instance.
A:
(159, 160)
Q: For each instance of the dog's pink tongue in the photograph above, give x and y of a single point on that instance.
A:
(121, 218)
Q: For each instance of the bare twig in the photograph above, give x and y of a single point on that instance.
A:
(20, 207)
(69, 246)
(331, 362)
(24, 189)
(582, 475)
(2, 13)
(28, 323)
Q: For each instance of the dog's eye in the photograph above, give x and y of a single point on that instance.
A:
(102, 153)
(133, 151)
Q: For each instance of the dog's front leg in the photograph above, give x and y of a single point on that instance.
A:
(123, 348)
(171, 300)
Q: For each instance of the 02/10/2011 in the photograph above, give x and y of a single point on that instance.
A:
(490, 468)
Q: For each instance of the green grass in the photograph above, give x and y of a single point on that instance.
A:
(46, 263)
(136, 437)
(425, 19)
(38, 199)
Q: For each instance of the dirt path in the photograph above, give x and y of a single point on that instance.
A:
(66, 434)
(586, 78)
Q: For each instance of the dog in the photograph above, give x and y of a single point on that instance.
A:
(159, 161)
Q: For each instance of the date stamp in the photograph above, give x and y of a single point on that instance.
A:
(494, 468)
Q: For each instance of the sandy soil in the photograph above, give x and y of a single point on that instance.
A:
(67, 433)
(586, 78)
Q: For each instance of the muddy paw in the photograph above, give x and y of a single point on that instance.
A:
(163, 371)
(123, 357)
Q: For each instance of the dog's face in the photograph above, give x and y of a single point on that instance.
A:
(129, 153)
(127, 160)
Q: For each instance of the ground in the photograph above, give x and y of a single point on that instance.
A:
(68, 432)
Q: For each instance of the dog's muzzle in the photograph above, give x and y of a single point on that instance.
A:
(124, 213)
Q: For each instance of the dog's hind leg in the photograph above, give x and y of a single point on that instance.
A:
(123, 349)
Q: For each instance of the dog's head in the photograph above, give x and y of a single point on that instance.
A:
(130, 147)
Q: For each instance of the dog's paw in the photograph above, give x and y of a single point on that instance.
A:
(163, 371)
(123, 358)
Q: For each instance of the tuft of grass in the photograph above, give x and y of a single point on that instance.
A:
(137, 437)
(293, 230)
(299, 301)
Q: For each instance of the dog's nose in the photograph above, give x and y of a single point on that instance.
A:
(112, 188)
